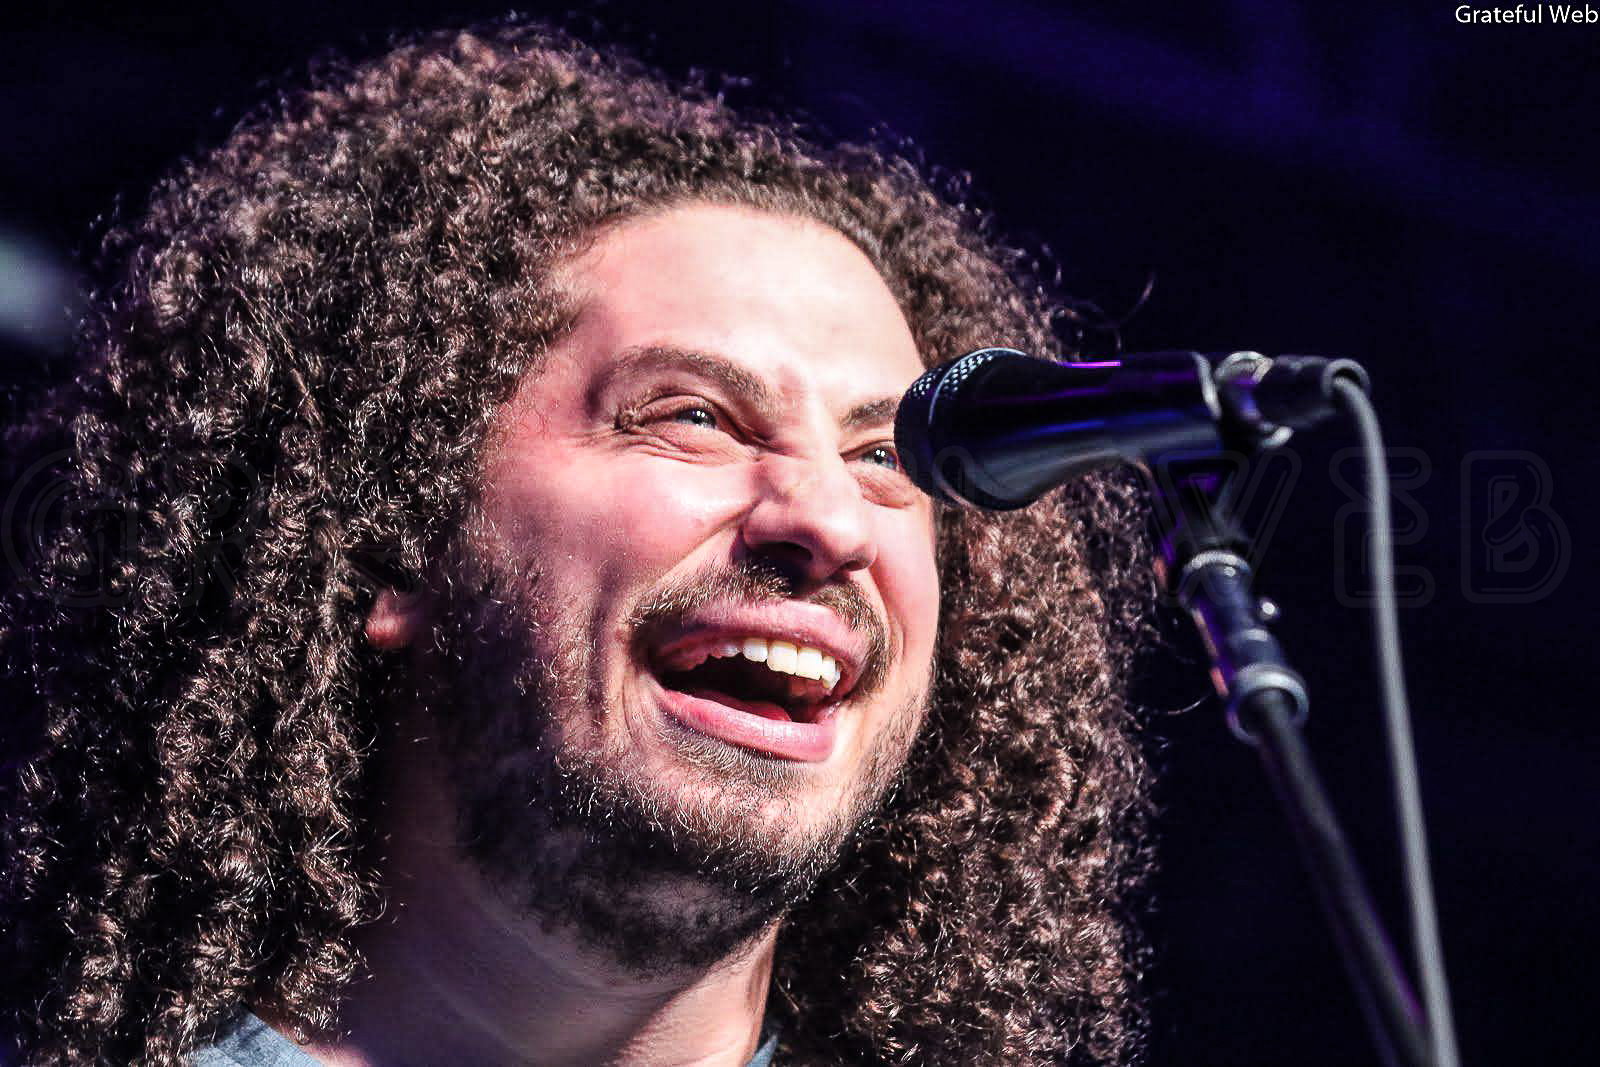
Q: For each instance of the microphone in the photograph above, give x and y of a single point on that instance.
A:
(998, 428)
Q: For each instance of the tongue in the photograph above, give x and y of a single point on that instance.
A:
(765, 709)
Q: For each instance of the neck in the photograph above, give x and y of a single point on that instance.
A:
(458, 975)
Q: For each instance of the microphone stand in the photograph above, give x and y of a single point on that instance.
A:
(1203, 565)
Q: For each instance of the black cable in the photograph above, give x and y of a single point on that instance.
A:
(1402, 754)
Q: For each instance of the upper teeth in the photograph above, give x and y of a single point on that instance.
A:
(802, 661)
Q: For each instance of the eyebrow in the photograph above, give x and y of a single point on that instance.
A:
(724, 372)
(872, 413)
(737, 380)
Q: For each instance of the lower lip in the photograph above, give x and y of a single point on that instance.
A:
(802, 742)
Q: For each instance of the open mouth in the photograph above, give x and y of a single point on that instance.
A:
(770, 695)
(773, 679)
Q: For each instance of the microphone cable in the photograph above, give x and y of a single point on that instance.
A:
(1397, 722)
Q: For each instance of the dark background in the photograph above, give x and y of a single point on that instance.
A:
(1369, 180)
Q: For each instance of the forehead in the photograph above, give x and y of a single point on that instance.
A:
(786, 297)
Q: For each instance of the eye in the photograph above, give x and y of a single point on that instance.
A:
(687, 425)
(883, 479)
(675, 411)
(883, 456)
(696, 415)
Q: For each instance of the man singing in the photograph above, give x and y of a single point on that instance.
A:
(467, 609)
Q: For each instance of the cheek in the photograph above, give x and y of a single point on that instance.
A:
(602, 524)
(679, 503)
(667, 509)
(910, 584)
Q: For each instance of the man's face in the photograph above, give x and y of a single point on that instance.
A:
(691, 508)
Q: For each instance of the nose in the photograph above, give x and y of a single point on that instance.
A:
(811, 519)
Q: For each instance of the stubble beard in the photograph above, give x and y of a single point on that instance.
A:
(660, 877)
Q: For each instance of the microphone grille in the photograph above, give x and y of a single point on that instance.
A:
(911, 430)
(914, 426)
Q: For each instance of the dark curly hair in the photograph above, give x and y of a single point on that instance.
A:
(285, 388)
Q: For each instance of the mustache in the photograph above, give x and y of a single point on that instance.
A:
(757, 582)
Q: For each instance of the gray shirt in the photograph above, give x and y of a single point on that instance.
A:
(252, 1043)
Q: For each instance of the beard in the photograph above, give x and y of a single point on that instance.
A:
(662, 875)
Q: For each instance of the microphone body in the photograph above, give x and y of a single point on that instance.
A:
(998, 428)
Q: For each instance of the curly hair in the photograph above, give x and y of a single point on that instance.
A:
(294, 361)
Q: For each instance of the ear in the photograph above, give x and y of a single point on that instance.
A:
(395, 619)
